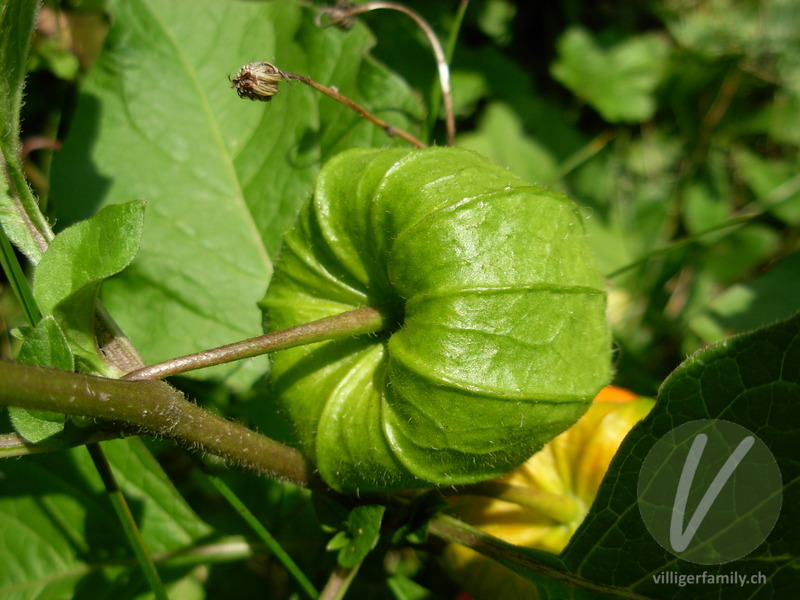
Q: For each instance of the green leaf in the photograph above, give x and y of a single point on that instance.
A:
(469, 88)
(360, 536)
(721, 28)
(620, 81)
(66, 542)
(223, 177)
(46, 346)
(19, 215)
(775, 183)
(501, 137)
(624, 190)
(496, 18)
(403, 588)
(705, 200)
(753, 381)
(53, 56)
(763, 300)
(79, 259)
(491, 325)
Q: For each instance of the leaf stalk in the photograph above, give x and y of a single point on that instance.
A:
(355, 322)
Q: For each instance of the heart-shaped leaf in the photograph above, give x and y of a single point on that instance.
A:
(223, 177)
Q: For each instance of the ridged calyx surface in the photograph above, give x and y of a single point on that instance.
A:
(497, 341)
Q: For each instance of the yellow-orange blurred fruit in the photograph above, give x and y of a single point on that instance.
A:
(563, 479)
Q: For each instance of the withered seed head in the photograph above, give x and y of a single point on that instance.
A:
(257, 81)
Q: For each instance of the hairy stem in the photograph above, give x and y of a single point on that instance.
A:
(151, 407)
(28, 209)
(355, 322)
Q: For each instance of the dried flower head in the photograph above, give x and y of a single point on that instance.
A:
(257, 81)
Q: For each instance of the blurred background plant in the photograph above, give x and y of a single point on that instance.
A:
(675, 124)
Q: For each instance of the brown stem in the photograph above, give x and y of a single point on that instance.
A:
(155, 408)
(350, 323)
(332, 93)
(340, 13)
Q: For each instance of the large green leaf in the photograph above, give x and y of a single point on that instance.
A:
(60, 536)
(753, 381)
(79, 259)
(224, 177)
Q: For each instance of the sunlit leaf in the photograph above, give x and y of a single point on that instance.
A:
(618, 81)
(223, 177)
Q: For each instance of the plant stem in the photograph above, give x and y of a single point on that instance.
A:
(332, 93)
(441, 61)
(259, 81)
(35, 221)
(347, 324)
(455, 30)
(127, 521)
(15, 276)
(261, 531)
(155, 408)
(13, 444)
(585, 153)
(339, 582)
(549, 566)
(734, 223)
(449, 51)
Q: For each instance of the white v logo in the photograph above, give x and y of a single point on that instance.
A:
(679, 540)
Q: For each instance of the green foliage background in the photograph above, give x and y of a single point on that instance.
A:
(675, 125)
